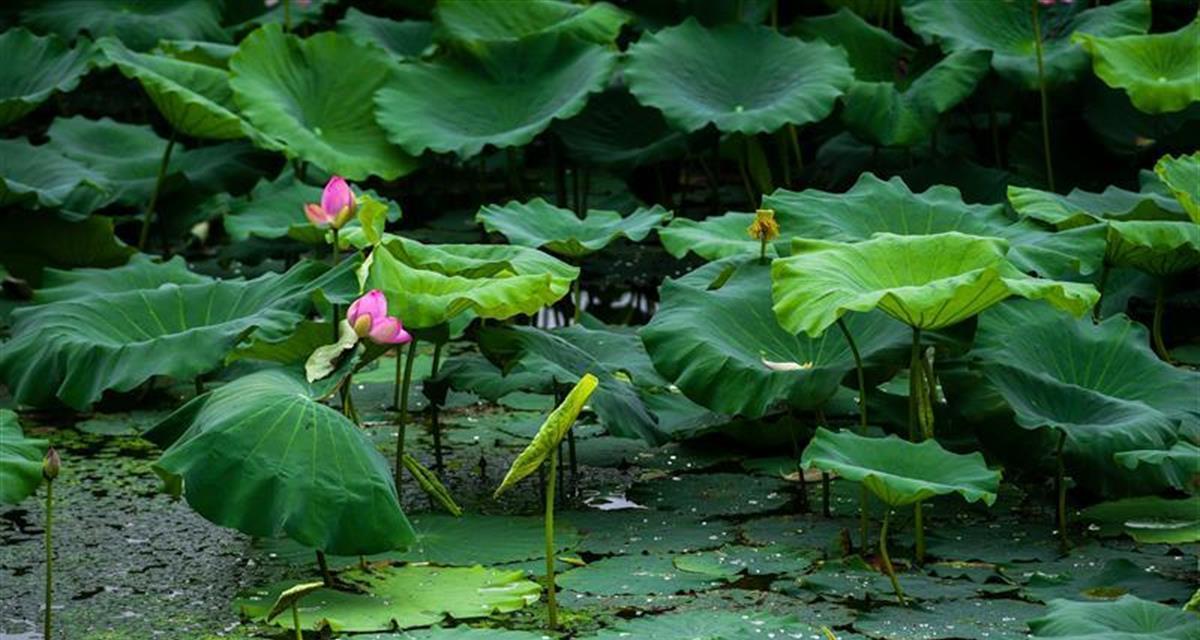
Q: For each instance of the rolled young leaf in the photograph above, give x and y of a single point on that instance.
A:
(550, 434)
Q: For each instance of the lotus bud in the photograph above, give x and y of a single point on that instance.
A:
(764, 227)
(51, 464)
(368, 316)
(337, 205)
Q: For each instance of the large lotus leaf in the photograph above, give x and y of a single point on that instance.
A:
(141, 272)
(194, 98)
(900, 472)
(1182, 177)
(1080, 208)
(76, 349)
(51, 241)
(714, 237)
(314, 97)
(302, 469)
(403, 597)
(274, 209)
(642, 575)
(539, 224)
(424, 298)
(550, 434)
(741, 78)
(1180, 464)
(1148, 519)
(1158, 248)
(566, 355)
(723, 347)
(213, 54)
(41, 177)
(503, 93)
(1006, 29)
(1127, 618)
(896, 97)
(20, 460)
(472, 260)
(401, 38)
(34, 68)
(140, 24)
(927, 282)
(615, 130)
(487, 20)
(1160, 72)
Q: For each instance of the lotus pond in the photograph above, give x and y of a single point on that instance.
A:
(538, 319)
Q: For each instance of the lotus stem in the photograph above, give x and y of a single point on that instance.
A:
(826, 510)
(403, 419)
(335, 312)
(1037, 43)
(551, 596)
(434, 414)
(1060, 487)
(514, 172)
(1156, 332)
(323, 564)
(1096, 310)
(887, 560)
(803, 483)
(795, 138)
(914, 429)
(863, 518)
(287, 16)
(296, 621)
(578, 294)
(743, 162)
(148, 217)
(46, 624)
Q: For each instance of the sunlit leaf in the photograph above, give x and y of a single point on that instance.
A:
(550, 434)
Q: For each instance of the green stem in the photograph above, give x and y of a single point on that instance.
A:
(335, 312)
(296, 621)
(1156, 332)
(887, 560)
(578, 295)
(795, 138)
(803, 483)
(403, 419)
(863, 518)
(49, 557)
(1100, 288)
(743, 161)
(762, 249)
(287, 16)
(1037, 42)
(551, 596)
(324, 566)
(1060, 486)
(915, 430)
(148, 217)
(434, 410)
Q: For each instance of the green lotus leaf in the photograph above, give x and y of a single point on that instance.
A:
(550, 434)
(1180, 464)
(423, 297)
(140, 24)
(314, 97)
(723, 347)
(302, 469)
(20, 460)
(1158, 248)
(886, 105)
(292, 597)
(566, 355)
(927, 282)
(213, 54)
(41, 177)
(1127, 618)
(741, 78)
(689, 625)
(1159, 71)
(642, 575)
(486, 20)
(246, 15)
(51, 241)
(194, 98)
(35, 68)
(141, 272)
(76, 349)
(541, 225)
(400, 597)
(472, 260)
(1006, 30)
(275, 209)
(614, 130)
(1148, 519)
(1182, 176)
(713, 238)
(503, 93)
(900, 472)
(401, 38)
(1080, 208)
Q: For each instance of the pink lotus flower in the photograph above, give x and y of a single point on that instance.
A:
(337, 205)
(368, 315)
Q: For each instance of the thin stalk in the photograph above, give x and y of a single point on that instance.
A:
(46, 626)
(1060, 487)
(799, 470)
(324, 566)
(863, 518)
(795, 139)
(514, 172)
(296, 621)
(148, 217)
(915, 390)
(403, 419)
(551, 599)
(743, 161)
(1037, 42)
(785, 162)
(335, 312)
(287, 16)
(434, 414)
(1156, 332)
(578, 294)
(826, 510)
(887, 559)
(1100, 288)
(762, 250)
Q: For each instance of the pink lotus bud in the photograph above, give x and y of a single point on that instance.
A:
(338, 200)
(51, 464)
(368, 315)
